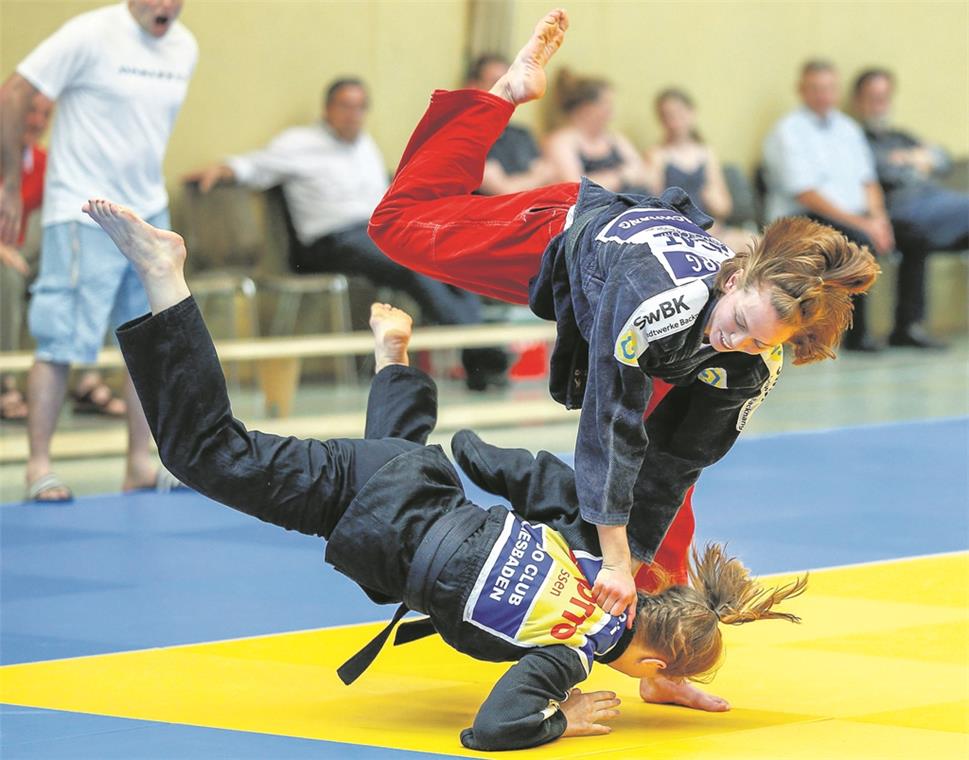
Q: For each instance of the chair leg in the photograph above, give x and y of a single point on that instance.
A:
(279, 379)
(345, 366)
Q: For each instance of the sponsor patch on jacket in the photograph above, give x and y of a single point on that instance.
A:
(715, 376)
(657, 317)
(534, 590)
(774, 359)
(685, 251)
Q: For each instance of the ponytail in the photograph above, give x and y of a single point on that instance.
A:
(682, 623)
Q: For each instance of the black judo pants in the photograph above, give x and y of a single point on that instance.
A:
(302, 485)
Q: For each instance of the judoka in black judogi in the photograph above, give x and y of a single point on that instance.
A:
(498, 585)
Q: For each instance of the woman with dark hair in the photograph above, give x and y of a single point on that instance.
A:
(587, 146)
(682, 159)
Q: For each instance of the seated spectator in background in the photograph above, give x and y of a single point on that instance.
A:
(683, 160)
(333, 175)
(925, 216)
(818, 164)
(90, 394)
(515, 161)
(586, 146)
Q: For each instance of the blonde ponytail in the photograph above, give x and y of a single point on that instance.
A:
(682, 623)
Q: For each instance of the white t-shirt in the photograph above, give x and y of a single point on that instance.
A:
(329, 183)
(118, 91)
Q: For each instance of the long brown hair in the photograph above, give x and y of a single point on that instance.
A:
(572, 90)
(810, 271)
(682, 623)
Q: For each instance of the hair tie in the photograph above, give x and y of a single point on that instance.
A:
(820, 280)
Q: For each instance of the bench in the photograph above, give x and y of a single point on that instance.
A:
(278, 363)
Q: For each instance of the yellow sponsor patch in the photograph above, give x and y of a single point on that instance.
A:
(715, 376)
(627, 347)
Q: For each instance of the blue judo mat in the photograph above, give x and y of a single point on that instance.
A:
(119, 572)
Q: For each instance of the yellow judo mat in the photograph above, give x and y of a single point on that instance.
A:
(879, 669)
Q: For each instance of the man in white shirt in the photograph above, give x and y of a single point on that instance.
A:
(119, 75)
(333, 175)
(818, 164)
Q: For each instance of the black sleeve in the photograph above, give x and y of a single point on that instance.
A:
(538, 487)
(611, 437)
(693, 427)
(522, 710)
(402, 404)
(296, 484)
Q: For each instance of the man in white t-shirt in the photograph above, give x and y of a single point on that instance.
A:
(333, 176)
(119, 75)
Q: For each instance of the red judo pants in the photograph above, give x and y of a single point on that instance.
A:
(430, 222)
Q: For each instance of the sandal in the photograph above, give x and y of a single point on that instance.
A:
(46, 483)
(99, 399)
(13, 405)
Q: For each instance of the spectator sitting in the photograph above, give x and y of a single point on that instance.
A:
(818, 163)
(119, 75)
(586, 145)
(683, 160)
(925, 216)
(333, 176)
(515, 162)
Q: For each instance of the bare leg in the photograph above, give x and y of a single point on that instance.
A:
(391, 332)
(46, 387)
(525, 78)
(140, 469)
(158, 256)
(666, 691)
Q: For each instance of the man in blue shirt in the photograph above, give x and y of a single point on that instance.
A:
(818, 164)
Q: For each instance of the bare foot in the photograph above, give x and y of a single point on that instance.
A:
(391, 332)
(666, 691)
(157, 255)
(525, 78)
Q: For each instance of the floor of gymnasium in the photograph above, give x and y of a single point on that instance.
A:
(146, 626)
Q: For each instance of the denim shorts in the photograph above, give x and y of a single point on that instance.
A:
(84, 288)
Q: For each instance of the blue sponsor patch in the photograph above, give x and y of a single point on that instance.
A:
(685, 251)
(521, 567)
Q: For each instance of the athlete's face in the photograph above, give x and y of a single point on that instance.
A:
(155, 16)
(745, 320)
(639, 661)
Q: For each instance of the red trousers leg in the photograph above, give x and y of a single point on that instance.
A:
(673, 552)
(430, 222)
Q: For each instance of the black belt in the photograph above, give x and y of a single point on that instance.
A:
(438, 546)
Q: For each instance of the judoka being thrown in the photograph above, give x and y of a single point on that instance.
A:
(498, 585)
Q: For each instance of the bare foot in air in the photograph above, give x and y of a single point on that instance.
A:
(391, 332)
(666, 691)
(525, 78)
(158, 256)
